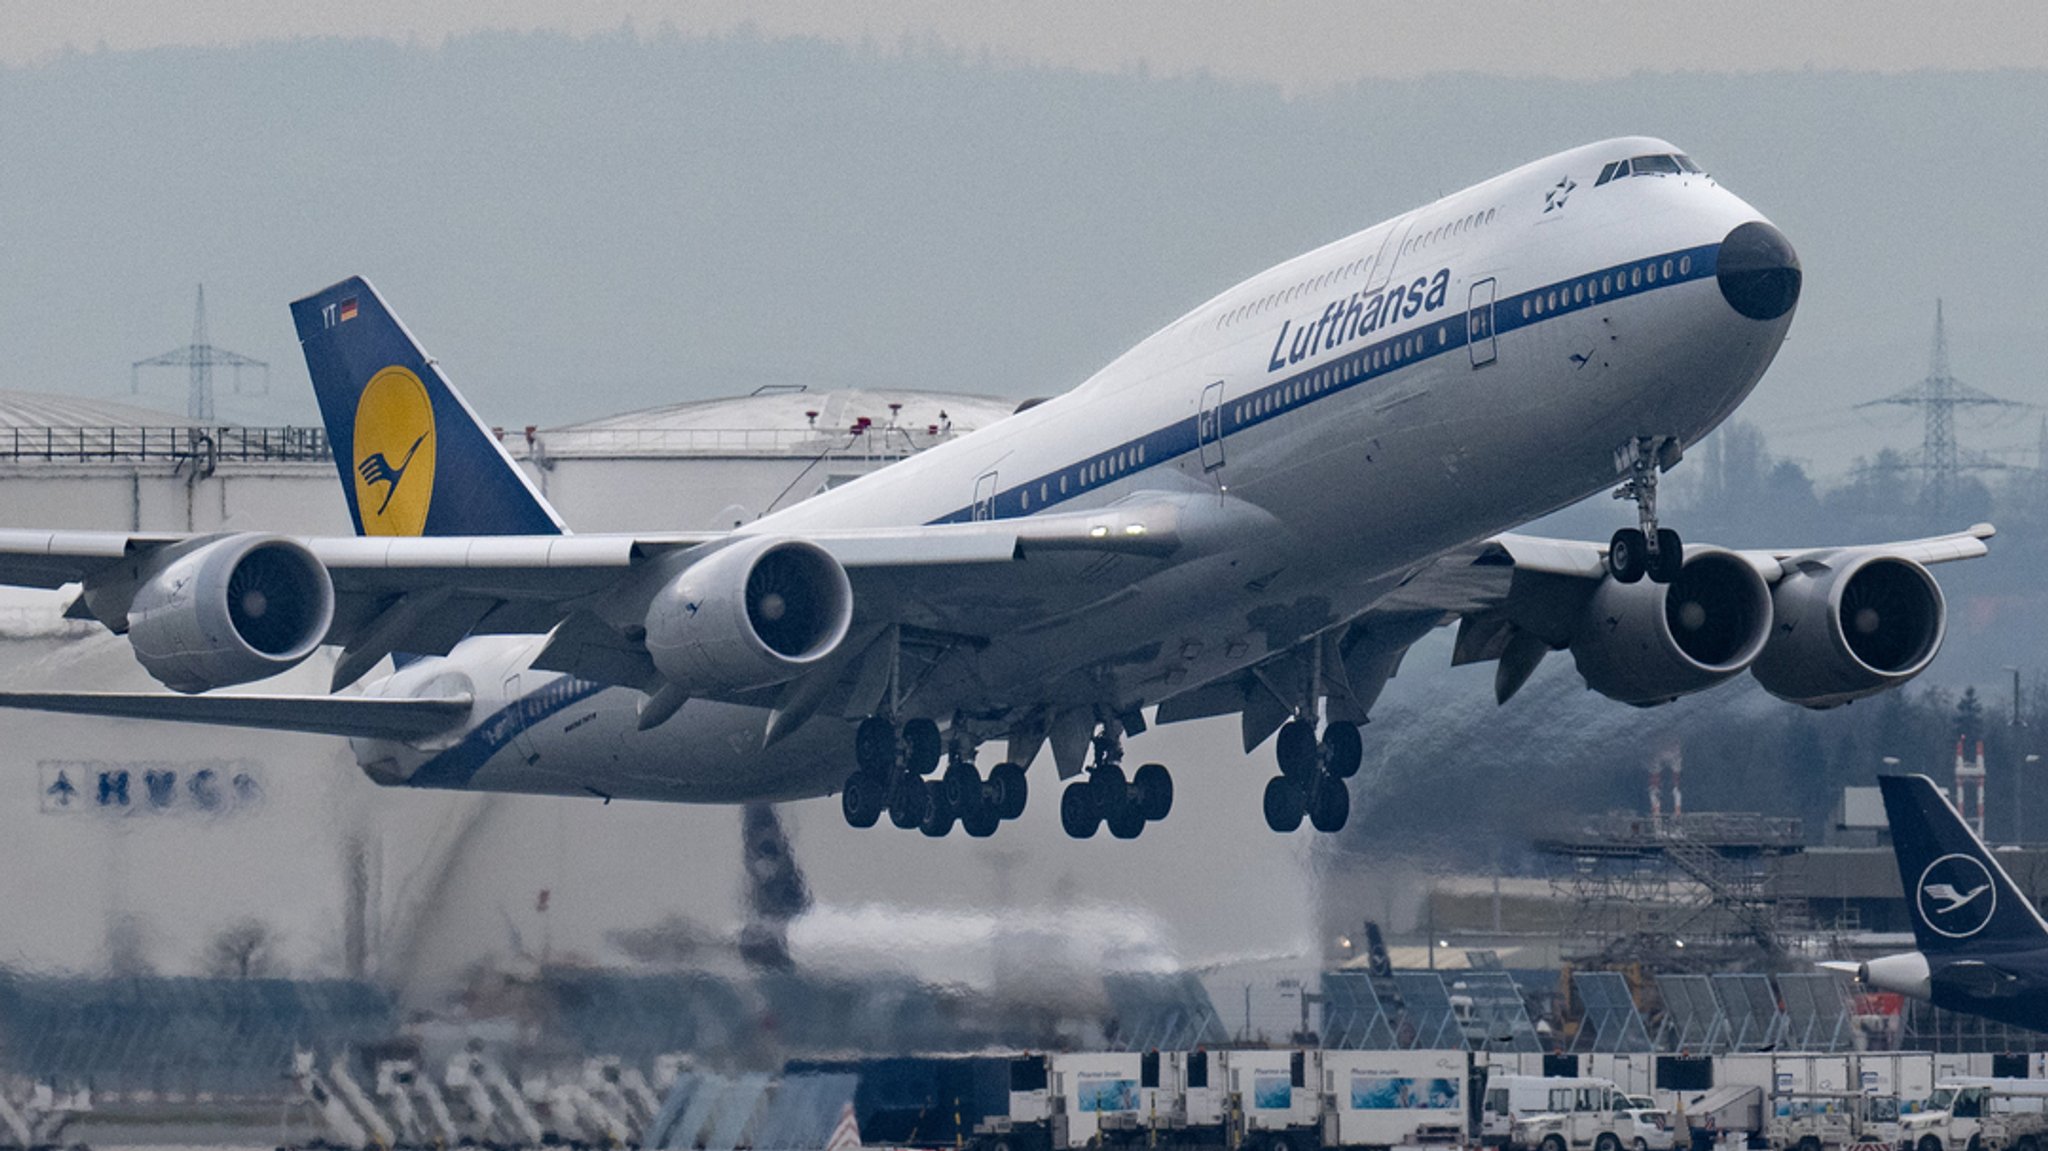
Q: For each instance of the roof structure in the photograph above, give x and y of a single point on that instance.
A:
(781, 422)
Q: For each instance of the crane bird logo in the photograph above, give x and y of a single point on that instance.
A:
(1957, 898)
(394, 422)
(375, 469)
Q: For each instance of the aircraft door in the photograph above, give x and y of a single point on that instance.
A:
(985, 496)
(1479, 323)
(515, 710)
(1209, 427)
(1388, 256)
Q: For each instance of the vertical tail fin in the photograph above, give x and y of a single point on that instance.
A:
(1961, 899)
(414, 458)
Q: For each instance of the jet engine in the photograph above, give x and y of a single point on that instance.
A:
(755, 613)
(232, 610)
(1649, 643)
(1846, 632)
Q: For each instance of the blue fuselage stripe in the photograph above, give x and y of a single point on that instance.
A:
(1441, 336)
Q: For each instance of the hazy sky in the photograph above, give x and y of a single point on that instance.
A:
(1296, 45)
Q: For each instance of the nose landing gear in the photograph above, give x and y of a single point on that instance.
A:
(1313, 775)
(1645, 549)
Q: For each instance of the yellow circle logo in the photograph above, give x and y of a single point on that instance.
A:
(394, 452)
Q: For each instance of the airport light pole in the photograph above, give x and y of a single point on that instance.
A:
(2019, 800)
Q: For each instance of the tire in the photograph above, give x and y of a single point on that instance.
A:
(939, 815)
(1009, 790)
(1809, 1144)
(1670, 558)
(1628, 554)
(1554, 1143)
(1330, 808)
(1931, 1143)
(862, 799)
(1110, 787)
(1976, 1143)
(981, 822)
(1080, 814)
(874, 746)
(1296, 750)
(921, 746)
(2027, 1143)
(1154, 785)
(1283, 804)
(1607, 1142)
(1343, 750)
(1126, 820)
(961, 785)
(1641, 1144)
(911, 802)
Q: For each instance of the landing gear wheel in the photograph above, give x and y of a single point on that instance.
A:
(911, 804)
(862, 799)
(1110, 787)
(1296, 750)
(921, 746)
(1080, 814)
(981, 822)
(1330, 805)
(1283, 804)
(1126, 820)
(1628, 555)
(874, 746)
(1154, 787)
(939, 815)
(1007, 790)
(961, 786)
(1664, 566)
(1343, 750)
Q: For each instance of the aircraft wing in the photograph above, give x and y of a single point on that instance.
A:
(354, 717)
(1515, 598)
(425, 594)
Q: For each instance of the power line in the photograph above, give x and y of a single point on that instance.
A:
(200, 358)
(1941, 461)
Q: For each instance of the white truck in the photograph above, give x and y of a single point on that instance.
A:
(1831, 1120)
(1389, 1099)
(1108, 1099)
(1970, 1113)
(1279, 1104)
(1576, 1114)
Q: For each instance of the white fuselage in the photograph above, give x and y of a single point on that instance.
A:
(1538, 323)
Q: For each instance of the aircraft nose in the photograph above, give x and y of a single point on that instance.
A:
(1758, 271)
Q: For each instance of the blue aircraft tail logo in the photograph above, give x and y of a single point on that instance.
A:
(1957, 896)
(375, 469)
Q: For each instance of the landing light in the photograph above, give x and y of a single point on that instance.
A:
(1134, 529)
(1098, 531)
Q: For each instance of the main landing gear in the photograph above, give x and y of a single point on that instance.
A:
(1645, 549)
(1105, 796)
(1312, 776)
(890, 779)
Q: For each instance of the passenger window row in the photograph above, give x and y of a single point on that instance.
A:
(1672, 164)
(1351, 367)
(1265, 304)
(1597, 287)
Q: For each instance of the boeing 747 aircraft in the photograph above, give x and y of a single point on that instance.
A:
(1253, 512)
(1983, 949)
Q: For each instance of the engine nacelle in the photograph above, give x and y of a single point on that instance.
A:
(1649, 643)
(241, 608)
(755, 613)
(1846, 632)
(1905, 974)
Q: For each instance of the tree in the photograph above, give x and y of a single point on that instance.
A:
(1969, 723)
(240, 951)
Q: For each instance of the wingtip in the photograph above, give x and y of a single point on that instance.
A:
(1983, 531)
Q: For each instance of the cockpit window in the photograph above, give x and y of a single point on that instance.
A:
(1685, 161)
(1655, 165)
(1670, 164)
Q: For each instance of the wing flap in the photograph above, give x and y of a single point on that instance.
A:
(353, 717)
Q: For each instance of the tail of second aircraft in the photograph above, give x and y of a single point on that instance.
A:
(414, 458)
(1961, 899)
